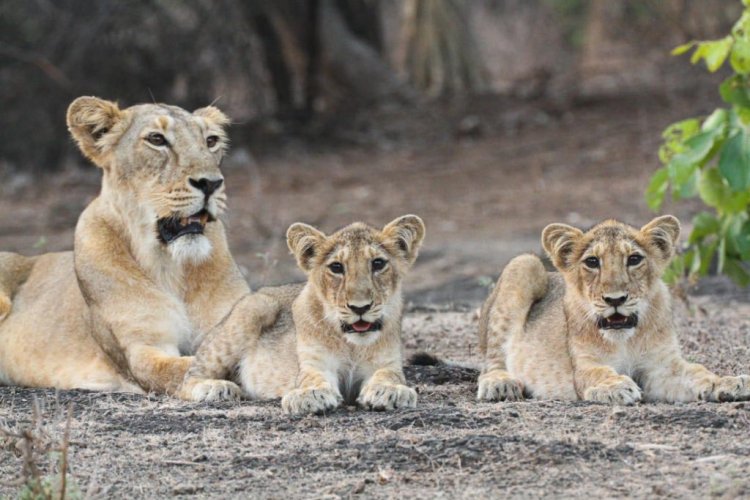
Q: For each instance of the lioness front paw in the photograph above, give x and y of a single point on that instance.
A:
(620, 390)
(387, 397)
(210, 390)
(298, 401)
(731, 389)
(499, 387)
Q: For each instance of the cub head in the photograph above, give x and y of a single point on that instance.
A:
(161, 167)
(357, 271)
(614, 268)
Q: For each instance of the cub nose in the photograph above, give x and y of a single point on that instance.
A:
(208, 186)
(360, 309)
(616, 300)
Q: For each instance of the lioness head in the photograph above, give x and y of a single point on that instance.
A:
(161, 165)
(357, 271)
(613, 267)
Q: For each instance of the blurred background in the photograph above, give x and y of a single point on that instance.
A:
(489, 118)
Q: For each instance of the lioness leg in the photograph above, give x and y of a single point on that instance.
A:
(522, 282)
(680, 381)
(155, 369)
(14, 270)
(600, 383)
(223, 348)
(387, 390)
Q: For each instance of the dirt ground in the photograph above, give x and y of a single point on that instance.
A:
(485, 193)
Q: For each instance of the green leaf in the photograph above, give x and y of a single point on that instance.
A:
(707, 253)
(714, 53)
(657, 188)
(735, 270)
(734, 162)
(715, 192)
(740, 57)
(716, 120)
(675, 136)
(681, 49)
(735, 90)
(704, 224)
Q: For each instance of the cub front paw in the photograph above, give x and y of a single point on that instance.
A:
(731, 389)
(299, 401)
(210, 390)
(499, 387)
(620, 390)
(387, 397)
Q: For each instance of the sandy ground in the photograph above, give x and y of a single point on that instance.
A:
(450, 446)
(484, 198)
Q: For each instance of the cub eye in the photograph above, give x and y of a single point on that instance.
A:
(211, 141)
(591, 262)
(336, 267)
(635, 259)
(378, 264)
(156, 139)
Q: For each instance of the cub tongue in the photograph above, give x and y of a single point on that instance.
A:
(361, 326)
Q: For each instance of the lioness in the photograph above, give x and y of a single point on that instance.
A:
(150, 270)
(601, 329)
(336, 338)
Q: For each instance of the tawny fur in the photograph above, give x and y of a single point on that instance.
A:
(118, 312)
(305, 356)
(539, 333)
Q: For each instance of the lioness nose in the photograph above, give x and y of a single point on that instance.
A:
(360, 309)
(615, 301)
(208, 186)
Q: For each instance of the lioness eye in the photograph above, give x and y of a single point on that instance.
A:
(635, 259)
(211, 141)
(156, 139)
(378, 264)
(591, 262)
(336, 267)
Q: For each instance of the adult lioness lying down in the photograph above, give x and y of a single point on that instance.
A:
(337, 338)
(601, 329)
(150, 271)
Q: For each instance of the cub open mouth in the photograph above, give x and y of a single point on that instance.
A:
(171, 228)
(361, 327)
(617, 321)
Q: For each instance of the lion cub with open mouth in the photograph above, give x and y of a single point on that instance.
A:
(336, 338)
(600, 330)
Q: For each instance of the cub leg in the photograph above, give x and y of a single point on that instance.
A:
(595, 381)
(387, 390)
(316, 390)
(224, 347)
(522, 282)
(673, 379)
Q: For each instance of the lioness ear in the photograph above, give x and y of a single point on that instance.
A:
(662, 234)
(89, 118)
(214, 115)
(303, 241)
(559, 241)
(405, 234)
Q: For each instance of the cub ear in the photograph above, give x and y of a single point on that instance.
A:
(89, 118)
(213, 115)
(405, 234)
(662, 234)
(304, 242)
(559, 242)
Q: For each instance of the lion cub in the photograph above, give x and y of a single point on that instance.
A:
(336, 338)
(601, 329)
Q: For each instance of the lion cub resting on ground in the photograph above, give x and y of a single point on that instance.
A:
(336, 338)
(600, 330)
